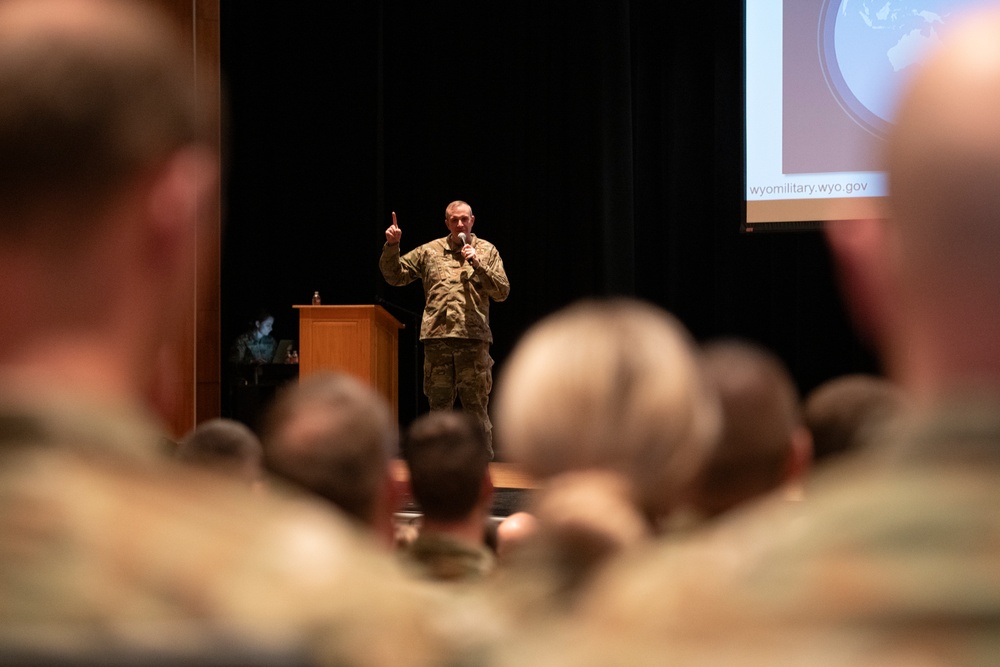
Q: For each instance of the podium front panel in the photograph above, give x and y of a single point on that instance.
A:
(359, 340)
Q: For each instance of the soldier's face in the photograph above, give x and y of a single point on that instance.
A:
(264, 328)
(460, 221)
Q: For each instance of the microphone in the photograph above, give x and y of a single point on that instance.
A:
(461, 237)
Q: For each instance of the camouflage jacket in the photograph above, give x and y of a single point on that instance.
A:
(248, 350)
(111, 549)
(891, 559)
(457, 297)
(444, 558)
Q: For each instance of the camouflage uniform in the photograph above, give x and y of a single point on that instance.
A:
(250, 350)
(455, 327)
(444, 558)
(109, 549)
(892, 558)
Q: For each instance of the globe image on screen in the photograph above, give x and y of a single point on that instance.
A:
(868, 47)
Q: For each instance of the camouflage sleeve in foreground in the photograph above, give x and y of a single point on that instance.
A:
(120, 555)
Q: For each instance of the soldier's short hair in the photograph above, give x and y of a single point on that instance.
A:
(761, 417)
(333, 435)
(448, 458)
(455, 204)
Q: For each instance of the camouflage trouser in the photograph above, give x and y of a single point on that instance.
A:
(460, 367)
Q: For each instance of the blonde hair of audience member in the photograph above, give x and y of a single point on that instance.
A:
(334, 435)
(605, 403)
(845, 414)
(227, 447)
(764, 443)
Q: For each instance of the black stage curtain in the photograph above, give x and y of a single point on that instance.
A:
(598, 142)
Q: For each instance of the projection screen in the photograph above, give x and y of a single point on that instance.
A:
(822, 79)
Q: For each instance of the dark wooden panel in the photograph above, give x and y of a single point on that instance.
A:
(196, 382)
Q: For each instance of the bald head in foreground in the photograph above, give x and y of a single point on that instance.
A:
(111, 553)
(894, 555)
(925, 280)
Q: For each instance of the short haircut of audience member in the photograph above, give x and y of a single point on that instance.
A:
(764, 443)
(844, 413)
(335, 436)
(225, 446)
(448, 458)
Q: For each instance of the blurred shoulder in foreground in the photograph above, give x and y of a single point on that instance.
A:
(109, 550)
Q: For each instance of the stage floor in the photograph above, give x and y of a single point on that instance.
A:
(505, 475)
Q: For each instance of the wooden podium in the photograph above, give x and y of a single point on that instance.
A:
(360, 340)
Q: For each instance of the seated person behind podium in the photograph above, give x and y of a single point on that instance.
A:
(255, 345)
(448, 458)
(111, 552)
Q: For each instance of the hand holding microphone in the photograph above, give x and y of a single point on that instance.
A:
(468, 252)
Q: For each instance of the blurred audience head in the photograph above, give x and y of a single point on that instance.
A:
(844, 413)
(225, 446)
(764, 443)
(605, 404)
(611, 386)
(333, 435)
(923, 279)
(105, 168)
(512, 532)
(92, 102)
(448, 459)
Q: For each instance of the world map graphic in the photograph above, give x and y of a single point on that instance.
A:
(867, 49)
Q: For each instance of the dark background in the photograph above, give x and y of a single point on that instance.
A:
(598, 142)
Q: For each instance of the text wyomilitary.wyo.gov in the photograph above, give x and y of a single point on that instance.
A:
(808, 189)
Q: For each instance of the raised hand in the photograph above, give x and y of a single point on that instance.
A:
(393, 233)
